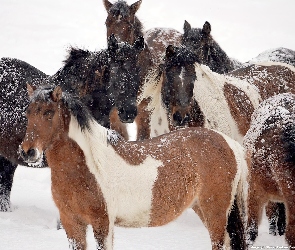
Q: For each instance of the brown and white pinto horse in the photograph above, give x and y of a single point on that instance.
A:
(185, 93)
(100, 179)
(221, 102)
(270, 143)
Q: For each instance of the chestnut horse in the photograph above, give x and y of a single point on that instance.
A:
(270, 143)
(98, 178)
(100, 79)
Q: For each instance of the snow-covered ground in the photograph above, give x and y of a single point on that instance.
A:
(40, 31)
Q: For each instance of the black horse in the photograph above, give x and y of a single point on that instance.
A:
(103, 80)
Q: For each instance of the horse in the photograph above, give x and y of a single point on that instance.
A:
(207, 49)
(123, 22)
(270, 145)
(193, 95)
(100, 79)
(13, 102)
(98, 178)
(221, 102)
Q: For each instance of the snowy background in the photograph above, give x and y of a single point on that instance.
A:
(40, 31)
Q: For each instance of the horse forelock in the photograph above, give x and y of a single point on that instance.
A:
(182, 56)
(43, 93)
(120, 8)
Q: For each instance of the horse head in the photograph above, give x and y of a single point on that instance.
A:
(46, 123)
(206, 48)
(121, 20)
(178, 83)
(124, 80)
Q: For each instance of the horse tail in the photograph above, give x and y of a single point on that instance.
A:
(236, 222)
(288, 139)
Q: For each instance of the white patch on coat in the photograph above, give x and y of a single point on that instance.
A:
(152, 89)
(127, 189)
(208, 92)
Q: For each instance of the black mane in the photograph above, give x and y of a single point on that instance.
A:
(181, 56)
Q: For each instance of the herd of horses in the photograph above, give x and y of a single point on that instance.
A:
(212, 134)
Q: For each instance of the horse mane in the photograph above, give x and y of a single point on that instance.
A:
(75, 54)
(121, 8)
(181, 56)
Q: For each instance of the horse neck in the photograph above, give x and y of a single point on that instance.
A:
(221, 62)
(145, 64)
(94, 141)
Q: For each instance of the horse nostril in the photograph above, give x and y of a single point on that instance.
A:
(186, 119)
(177, 117)
(31, 153)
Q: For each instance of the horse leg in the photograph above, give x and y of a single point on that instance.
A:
(256, 201)
(7, 170)
(103, 233)
(117, 125)
(75, 230)
(214, 218)
(290, 227)
(276, 215)
(143, 121)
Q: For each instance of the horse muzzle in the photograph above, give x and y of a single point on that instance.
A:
(127, 115)
(180, 120)
(33, 157)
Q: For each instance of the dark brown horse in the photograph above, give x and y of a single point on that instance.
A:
(270, 143)
(209, 53)
(100, 179)
(14, 74)
(100, 79)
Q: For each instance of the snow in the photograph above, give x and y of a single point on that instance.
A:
(40, 31)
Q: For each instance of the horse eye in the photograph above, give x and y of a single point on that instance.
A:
(48, 114)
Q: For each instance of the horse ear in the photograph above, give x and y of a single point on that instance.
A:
(135, 6)
(206, 28)
(186, 27)
(30, 89)
(56, 94)
(112, 43)
(139, 43)
(107, 4)
(170, 51)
